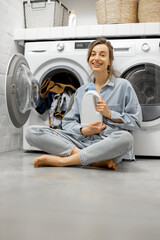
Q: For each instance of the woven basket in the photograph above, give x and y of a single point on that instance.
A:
(101, 11)
(116, 11)
(149, 11)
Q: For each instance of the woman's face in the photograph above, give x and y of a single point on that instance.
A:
(99, 59)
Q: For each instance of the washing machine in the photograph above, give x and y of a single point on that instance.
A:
(63, 60)
(137, 60)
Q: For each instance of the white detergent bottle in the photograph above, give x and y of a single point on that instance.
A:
(88, 107)
(72, 18)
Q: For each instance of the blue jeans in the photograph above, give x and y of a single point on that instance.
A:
(56, 142)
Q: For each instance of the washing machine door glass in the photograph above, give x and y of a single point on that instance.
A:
(145, 80)
(22, 90)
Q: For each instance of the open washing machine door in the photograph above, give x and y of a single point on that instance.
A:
(22, 90)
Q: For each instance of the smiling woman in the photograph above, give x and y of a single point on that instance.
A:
(102, 50)
(100, 145)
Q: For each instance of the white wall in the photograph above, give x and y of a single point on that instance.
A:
(11, 17)
(85, 9)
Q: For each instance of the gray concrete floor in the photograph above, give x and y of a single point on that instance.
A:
(78, 203)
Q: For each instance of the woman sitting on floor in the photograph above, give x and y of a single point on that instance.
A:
(98, 145)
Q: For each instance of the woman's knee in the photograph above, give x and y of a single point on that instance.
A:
(127, 138)
(28, 134)
(31, 133)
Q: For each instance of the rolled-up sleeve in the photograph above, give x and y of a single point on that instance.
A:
(129, 112)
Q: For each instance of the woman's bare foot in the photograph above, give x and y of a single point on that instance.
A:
(48, 160)
(105, 164)
(56, 161)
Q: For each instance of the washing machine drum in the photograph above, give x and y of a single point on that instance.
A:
(144, 78)
(22, 90)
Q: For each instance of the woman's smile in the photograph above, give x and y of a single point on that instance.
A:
(96, 64)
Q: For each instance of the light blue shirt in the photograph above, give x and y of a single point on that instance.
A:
(123, 103)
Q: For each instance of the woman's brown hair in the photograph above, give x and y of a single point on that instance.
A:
(110, 48)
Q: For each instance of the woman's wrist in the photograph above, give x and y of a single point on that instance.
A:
(81, 130)
(108, 114)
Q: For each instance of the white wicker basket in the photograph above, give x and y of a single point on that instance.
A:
(45, 13)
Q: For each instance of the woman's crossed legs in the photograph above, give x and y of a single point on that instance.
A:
(73, 159)
(65, 153)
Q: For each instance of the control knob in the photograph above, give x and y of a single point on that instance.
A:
(145, 47)
(60, 46)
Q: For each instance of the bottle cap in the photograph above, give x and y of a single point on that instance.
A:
(73, 12)
(91, 87)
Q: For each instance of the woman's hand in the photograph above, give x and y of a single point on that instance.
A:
(93, 128)
(103, 108)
